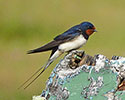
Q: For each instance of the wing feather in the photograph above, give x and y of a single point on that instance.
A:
(46, 47)
(66, 36)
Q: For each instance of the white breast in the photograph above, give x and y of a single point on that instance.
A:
(73, 44)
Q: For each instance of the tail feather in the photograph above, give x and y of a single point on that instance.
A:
(31, 77)
(44, 67)
(47, 65)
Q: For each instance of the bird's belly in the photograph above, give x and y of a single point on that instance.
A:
(73, 44)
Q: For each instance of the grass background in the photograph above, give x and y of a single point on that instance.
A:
(27, 24)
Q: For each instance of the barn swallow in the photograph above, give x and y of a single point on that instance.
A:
(72, 39)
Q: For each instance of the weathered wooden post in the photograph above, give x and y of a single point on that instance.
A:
(79, 76)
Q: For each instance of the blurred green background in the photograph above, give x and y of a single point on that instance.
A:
(27, 24)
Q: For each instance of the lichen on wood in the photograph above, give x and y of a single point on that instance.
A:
(79, 76)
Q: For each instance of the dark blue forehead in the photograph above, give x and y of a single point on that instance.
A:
(86, 25)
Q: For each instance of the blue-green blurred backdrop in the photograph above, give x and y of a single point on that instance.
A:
(27, 24)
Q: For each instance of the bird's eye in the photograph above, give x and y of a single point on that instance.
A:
(88, 27)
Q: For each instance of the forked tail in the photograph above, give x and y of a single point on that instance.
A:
(44, 66)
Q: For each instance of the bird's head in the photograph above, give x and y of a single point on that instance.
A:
(87, 28)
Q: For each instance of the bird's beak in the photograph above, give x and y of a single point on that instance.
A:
(95, 30)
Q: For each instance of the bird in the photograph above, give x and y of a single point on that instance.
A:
(72, 39)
